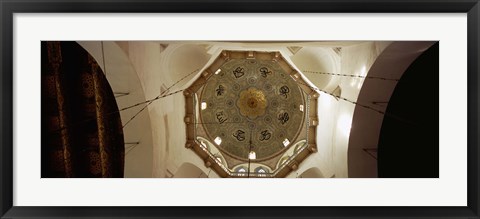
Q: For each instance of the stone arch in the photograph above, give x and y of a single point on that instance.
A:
(178, 60)
(318, 59)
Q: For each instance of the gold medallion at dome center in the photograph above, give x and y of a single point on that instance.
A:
(252, 103)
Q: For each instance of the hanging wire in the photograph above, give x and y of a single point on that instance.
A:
(158, 97)
(131, 148)
(162, 95)
(352, 76)
(208, 174)
(151, 100)
(249, 151)
(196, 123)
(358, 104)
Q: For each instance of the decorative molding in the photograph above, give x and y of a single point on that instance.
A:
(288, 101)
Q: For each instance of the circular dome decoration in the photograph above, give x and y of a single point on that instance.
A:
(263, 119)
(251, 107)
(252, 103)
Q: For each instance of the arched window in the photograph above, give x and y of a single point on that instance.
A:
(241, 171)
(261, 171)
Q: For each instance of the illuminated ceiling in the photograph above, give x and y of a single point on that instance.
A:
(251, 114)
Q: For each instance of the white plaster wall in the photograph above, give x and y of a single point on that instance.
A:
(335, 115)
(158, 72)
(318, 59)
(356, 60)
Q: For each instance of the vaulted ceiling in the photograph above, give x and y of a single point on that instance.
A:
(158, 73)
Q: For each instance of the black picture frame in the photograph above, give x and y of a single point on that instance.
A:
(9, 7)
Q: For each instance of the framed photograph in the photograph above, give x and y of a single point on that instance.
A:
(200, 109)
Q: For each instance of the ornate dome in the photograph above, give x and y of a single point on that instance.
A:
(250, 112)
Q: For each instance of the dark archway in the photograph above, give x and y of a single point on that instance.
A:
(81, 128)
(409, 138)
(375, 93)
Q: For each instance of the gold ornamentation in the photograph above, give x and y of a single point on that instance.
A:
(252, 103)
(232, 111)
(79, 151)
